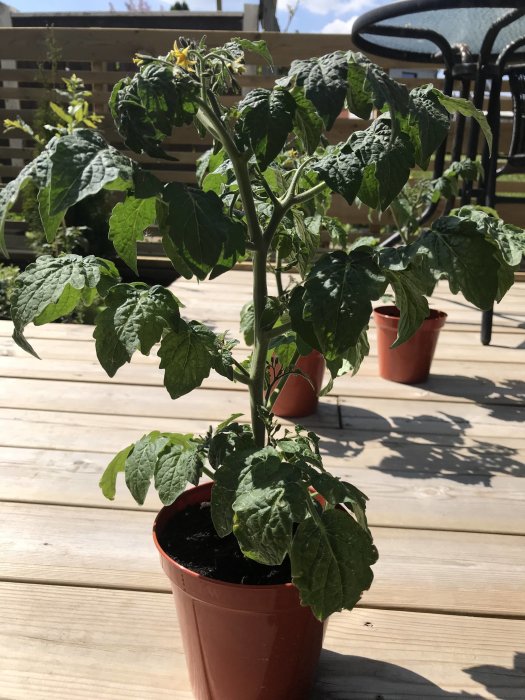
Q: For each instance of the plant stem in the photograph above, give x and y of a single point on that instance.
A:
(278, 274)
(295, 181)
(279, 330)
(260, 349)
(307, 194)
(210, 121)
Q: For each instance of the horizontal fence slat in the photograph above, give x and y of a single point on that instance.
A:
(108, 53)
(119, 44)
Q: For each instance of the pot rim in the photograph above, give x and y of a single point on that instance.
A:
(194, 574)
(382, 311)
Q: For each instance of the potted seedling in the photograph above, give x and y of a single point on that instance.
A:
(410, 362)
(262, 554)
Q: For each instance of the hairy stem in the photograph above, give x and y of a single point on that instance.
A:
(278, 274)
(260, 348)
(307, 194)
(210, 121)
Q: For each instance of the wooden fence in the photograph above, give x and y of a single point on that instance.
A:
(102, 56)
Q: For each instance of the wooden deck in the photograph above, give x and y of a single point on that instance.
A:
(84, 607)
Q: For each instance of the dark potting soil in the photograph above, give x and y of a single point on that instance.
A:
(190, 539)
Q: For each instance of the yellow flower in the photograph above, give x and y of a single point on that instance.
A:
(181, 57)
(138, 61)
(237, 66)
(293, 153)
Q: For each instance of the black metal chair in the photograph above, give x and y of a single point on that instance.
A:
(515, 158)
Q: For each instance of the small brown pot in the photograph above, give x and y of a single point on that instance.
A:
(241, 642)
(298, 398)
(410, 362)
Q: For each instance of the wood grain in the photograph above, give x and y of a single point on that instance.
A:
(81, 644)
(443, 464)
(405, 486)
(466, 573)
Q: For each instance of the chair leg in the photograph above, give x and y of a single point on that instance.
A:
(486, 326)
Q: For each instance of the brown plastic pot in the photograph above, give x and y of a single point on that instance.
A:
(241, 642)
(410, 362)
(298, 398)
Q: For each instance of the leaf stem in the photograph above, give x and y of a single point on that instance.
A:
(208, 472)
(307, 194)
(266, 186)
(278, 274)
(279, 330)
(288, 198)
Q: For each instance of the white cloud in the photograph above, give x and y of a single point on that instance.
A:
(326, 7)
(339, 26)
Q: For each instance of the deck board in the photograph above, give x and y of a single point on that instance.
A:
(467, 573)
(85, 643)
(443, 464)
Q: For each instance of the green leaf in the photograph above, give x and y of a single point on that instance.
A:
(135, 319)
(145, 184)
(283, 348)
(50, 223)
(264, 518)
(189, 354)
(266, 117)
(456, 249)
(52, 287)
(8, 196)
(177, 465)
(258, 47)
(147, 106)
(219, 346)
(331, 558)
(82, 165)
(247, 324)
(197, 235)
(234, 249)
(325, 83)
(37, 171)
(225, 423)
(510, 239)
(67, 118)
(467, 109)
(342, 172)
(386, 159)
(127, 224)
(337, 300)
(108, 480)
(369, 86)
(308, 235)
(231, 461)
(413, 306)
(300, 317)
(349, 361)
(308, 125)
(427, 123)
(234, 437)
(336, 491)
(141, 463)
(267, 500)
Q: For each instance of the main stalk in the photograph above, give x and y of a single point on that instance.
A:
(260, 347)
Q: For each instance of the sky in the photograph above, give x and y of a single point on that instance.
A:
(327, 16)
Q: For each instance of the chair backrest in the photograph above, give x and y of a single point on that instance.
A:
(516, 156)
